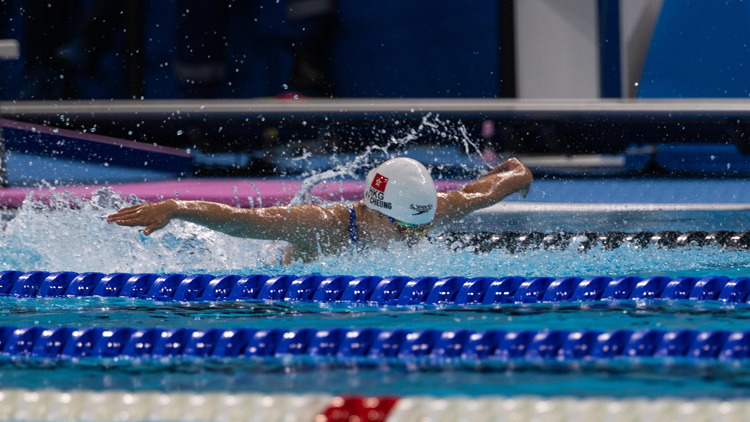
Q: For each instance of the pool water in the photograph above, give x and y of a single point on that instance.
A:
(61, 238)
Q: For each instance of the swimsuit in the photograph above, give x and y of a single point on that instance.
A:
(353, 236)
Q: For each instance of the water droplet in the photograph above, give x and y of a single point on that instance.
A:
(285, 86)
(179, 132)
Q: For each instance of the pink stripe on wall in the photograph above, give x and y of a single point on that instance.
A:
(235, 192)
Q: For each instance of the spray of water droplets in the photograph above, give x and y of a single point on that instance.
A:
(58, 237)
(55, 236)
(429, 126)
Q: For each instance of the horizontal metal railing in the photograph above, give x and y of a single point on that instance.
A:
(223, 108)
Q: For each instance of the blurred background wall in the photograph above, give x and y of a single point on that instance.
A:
(240, 49)
(342, 48)
(526, 49)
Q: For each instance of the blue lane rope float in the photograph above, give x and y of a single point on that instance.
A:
(372, 290)
(371, 343)
(511, 241)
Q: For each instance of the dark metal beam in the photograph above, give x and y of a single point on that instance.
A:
(609, 48)
(507, 49)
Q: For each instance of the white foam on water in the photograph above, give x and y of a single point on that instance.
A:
(426, 259)
(59, 237)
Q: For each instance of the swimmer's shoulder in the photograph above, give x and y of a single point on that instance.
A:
(320, 230)
(338, 211)
(337, 215)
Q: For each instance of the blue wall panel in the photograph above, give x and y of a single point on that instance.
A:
(11, 71)
(417, 48)
(159, 45)
(389, 48)
(700, 48)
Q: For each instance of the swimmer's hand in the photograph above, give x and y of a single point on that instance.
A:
(510, 164)
(152, 215)
(513, 165)
(505, 179)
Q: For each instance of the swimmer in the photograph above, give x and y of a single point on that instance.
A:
(400, 204)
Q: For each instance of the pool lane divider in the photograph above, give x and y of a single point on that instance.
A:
(513, 241)
(373, 345)
(151, 405)
(372, 290)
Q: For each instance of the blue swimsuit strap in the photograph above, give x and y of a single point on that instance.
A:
(352, 225)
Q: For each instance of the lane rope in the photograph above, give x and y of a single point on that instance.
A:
(373, 345)
(511, 241)
(372, 290)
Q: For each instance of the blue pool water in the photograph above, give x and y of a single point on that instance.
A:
(65, 239)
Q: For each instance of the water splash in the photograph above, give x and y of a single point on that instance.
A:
(427, 259)
(429, 125)
(56, 236)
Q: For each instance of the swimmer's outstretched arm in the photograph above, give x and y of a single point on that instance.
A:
(506, 178)
(303, 225)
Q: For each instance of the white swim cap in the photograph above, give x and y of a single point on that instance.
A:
(402, 188)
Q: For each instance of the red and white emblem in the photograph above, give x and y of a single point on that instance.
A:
(379, 182)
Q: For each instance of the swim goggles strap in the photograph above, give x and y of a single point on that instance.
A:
(408, 228)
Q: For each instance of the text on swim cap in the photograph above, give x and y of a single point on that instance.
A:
(379, 182)
(376, 198)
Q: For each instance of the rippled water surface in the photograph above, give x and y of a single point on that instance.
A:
(61, 238)
(118, 312)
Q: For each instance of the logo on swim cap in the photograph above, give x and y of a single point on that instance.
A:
(410, 196)
(420, 209)
(379, 182)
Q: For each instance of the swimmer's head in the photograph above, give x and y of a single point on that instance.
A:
(402, 189)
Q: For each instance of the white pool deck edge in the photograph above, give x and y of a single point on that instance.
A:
(112, 405)
(545, 207)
